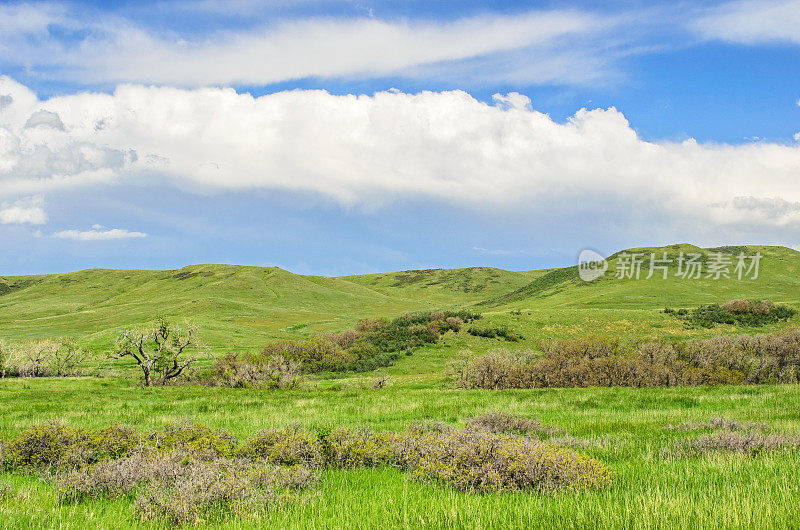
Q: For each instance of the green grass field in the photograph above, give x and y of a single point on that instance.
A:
(241, 308)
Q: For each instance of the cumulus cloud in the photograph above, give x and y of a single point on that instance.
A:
(752, 21)
(25, 211)
(97, 233)
(38, 151)
(366, 150)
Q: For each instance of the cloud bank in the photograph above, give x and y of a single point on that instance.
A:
(364, 151)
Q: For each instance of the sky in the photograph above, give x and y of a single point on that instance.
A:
(334, 138)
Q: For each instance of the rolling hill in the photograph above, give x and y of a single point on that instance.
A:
(242, 306)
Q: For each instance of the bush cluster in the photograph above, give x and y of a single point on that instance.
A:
(238, 370)
(750, 443)
(753, 313)
(54, 445)
(744, 359)
(373, 343)
(476, 460)
(184, 489)
(184, 472)
(42, 358)
(492, 332)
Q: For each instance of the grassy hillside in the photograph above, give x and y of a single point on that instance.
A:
(240, 307)
(235, 306)
(778, 280)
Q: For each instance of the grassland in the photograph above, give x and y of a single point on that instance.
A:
(244, 307)
(725, 491)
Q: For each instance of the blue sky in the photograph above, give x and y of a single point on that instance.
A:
(352, 137)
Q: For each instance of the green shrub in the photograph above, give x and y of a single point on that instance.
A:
(193, 438)
(350, 448)
(501, 332)
(54, 445)
(753, 313)
(289, 446)
(188, 473)
(475, 460)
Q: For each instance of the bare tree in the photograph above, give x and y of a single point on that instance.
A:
(158, 351)
(38, 356)
(67, 357)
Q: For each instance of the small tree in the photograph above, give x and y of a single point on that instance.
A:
(38, 357)
(158, 351)
(67, 357)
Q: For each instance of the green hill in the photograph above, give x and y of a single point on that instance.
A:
(778, 280)
(243, 307)
(236, 306)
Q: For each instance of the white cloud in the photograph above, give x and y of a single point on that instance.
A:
(97, 233)
(366, 150)
(25, 211)
(557, 46)
(752, 21)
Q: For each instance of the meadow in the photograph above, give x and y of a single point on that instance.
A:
(243, 308)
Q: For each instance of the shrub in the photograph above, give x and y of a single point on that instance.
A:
(43, 446)
(222, 485)
(371, 324)
(350, 448)
(742, 312)
(118, 477)
(193, 438)
(58, 446)
(773, 358)
(250, 371)
(289, 446)
(502, 422)
(187, 472)
(750, 443)
(314, 355)
(501, 332)
(454, 323)
(495, 370)
(481, 461)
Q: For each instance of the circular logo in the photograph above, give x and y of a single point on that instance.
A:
(591, 265)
